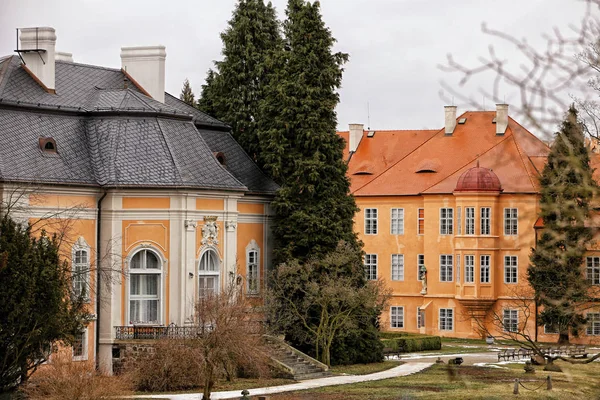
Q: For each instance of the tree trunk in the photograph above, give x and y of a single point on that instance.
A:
(208, 384)
(563, 338)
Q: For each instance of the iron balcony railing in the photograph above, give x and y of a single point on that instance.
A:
(158, 332)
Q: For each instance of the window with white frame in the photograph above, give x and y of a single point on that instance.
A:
(397, 267)
(511, 221)
(593, 324)
(420, 265)
(397, 317)
(145, 286)
(510, 320)
(469, 268)
(421, 221)
(81, 269)
(371, 221)
(469, 220)
(446, 268)
(446, 319)
(484, 225)
(252, 268)
(446, 221)
(371, 266)
(397, 221)
(420, 318)
(459, 220)
(511, 269)
(484, 269)
(593, 270)
(208, 274)
(457, 258)
(80, 346)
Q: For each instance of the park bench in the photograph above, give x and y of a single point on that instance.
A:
(390, 351)
(524, 352)
(507, 354)
(577, 351)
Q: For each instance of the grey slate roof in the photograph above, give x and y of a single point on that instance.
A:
(108, 135)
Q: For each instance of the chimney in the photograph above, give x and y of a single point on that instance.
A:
(450, 119)
(63, 56)
(355, 136)
(146, 65)
(501, 118)
(40, 63)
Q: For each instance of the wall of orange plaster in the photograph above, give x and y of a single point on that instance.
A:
(62, 201)
(146, 202)
(246, 233)
(210, 204)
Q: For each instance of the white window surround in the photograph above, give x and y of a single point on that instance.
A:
(80, 346)
(593, 324)
(469, 220)
(420, 318)
(397, 221)
(446, 268)
(371, 221)
(397, 267)
(485, 222)
(138, 274)
(420, 221)
(81, 268)
(446, 316)
(252, 268)
(511, 269)
(371, 267)
(510, 320)
(511, 221)
(485, 269)
(209, 272)
(446, 221)
(420, 263)
(552, 331)
(469, 268)
(592, 270)
(396, 317)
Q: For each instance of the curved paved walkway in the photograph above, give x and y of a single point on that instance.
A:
(401, 370)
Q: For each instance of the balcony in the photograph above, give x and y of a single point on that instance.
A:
(157, 332)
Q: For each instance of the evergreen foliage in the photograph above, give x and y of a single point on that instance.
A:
(302, 152)
(314, 209)
(556, 270)
(232, 93)
(36, 309)
(187, 96)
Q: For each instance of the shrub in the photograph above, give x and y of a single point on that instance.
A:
(393, 335)
(411, 344)
(172, 366)
(64, 379)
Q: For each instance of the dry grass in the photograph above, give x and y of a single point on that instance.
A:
(64, 379)
(364, 369)
(467, 382)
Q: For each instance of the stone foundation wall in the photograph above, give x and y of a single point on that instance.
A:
(126, 353)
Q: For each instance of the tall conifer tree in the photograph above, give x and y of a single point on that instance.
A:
(233, 91)
(556, 271)
(187, 95)
(314, 209)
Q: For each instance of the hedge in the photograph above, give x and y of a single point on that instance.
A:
(410, 344)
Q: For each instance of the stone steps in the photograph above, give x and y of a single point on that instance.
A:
(303, 368)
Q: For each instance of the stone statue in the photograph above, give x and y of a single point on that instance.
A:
(210, 231)
(423, 277)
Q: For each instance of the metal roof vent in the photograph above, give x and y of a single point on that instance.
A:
(462, 121)
(371, 134)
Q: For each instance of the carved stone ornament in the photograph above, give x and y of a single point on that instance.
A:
(210, 231)
(190, 225)
(231, 226)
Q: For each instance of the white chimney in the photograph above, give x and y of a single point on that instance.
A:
(450, 119)
(147, 66)
(355, 136)
(40, 63)
(501, 118)
(63, 56)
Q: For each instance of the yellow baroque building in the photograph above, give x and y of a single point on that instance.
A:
(154, 201)
(448, 218)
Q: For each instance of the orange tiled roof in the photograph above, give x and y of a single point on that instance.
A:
(426, 161)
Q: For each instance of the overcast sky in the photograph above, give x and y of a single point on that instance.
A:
(395, 46)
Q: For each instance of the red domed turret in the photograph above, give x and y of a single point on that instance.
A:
(478, 179)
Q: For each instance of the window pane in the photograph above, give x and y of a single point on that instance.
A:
(136, 261)
(151, 260)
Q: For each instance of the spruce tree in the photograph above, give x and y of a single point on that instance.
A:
(187, 95)
(556, 270)
(314, 209)
(232, 93)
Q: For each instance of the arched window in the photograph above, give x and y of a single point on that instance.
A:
(80, 269)
(145, 273)
(252, 268)
(208, 274)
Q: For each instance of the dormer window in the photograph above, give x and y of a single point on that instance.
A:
(47, 145)
(220, 157)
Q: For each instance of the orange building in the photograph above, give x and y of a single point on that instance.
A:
(153, 192)
(447, 219)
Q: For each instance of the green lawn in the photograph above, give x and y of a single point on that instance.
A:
(466, 382)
